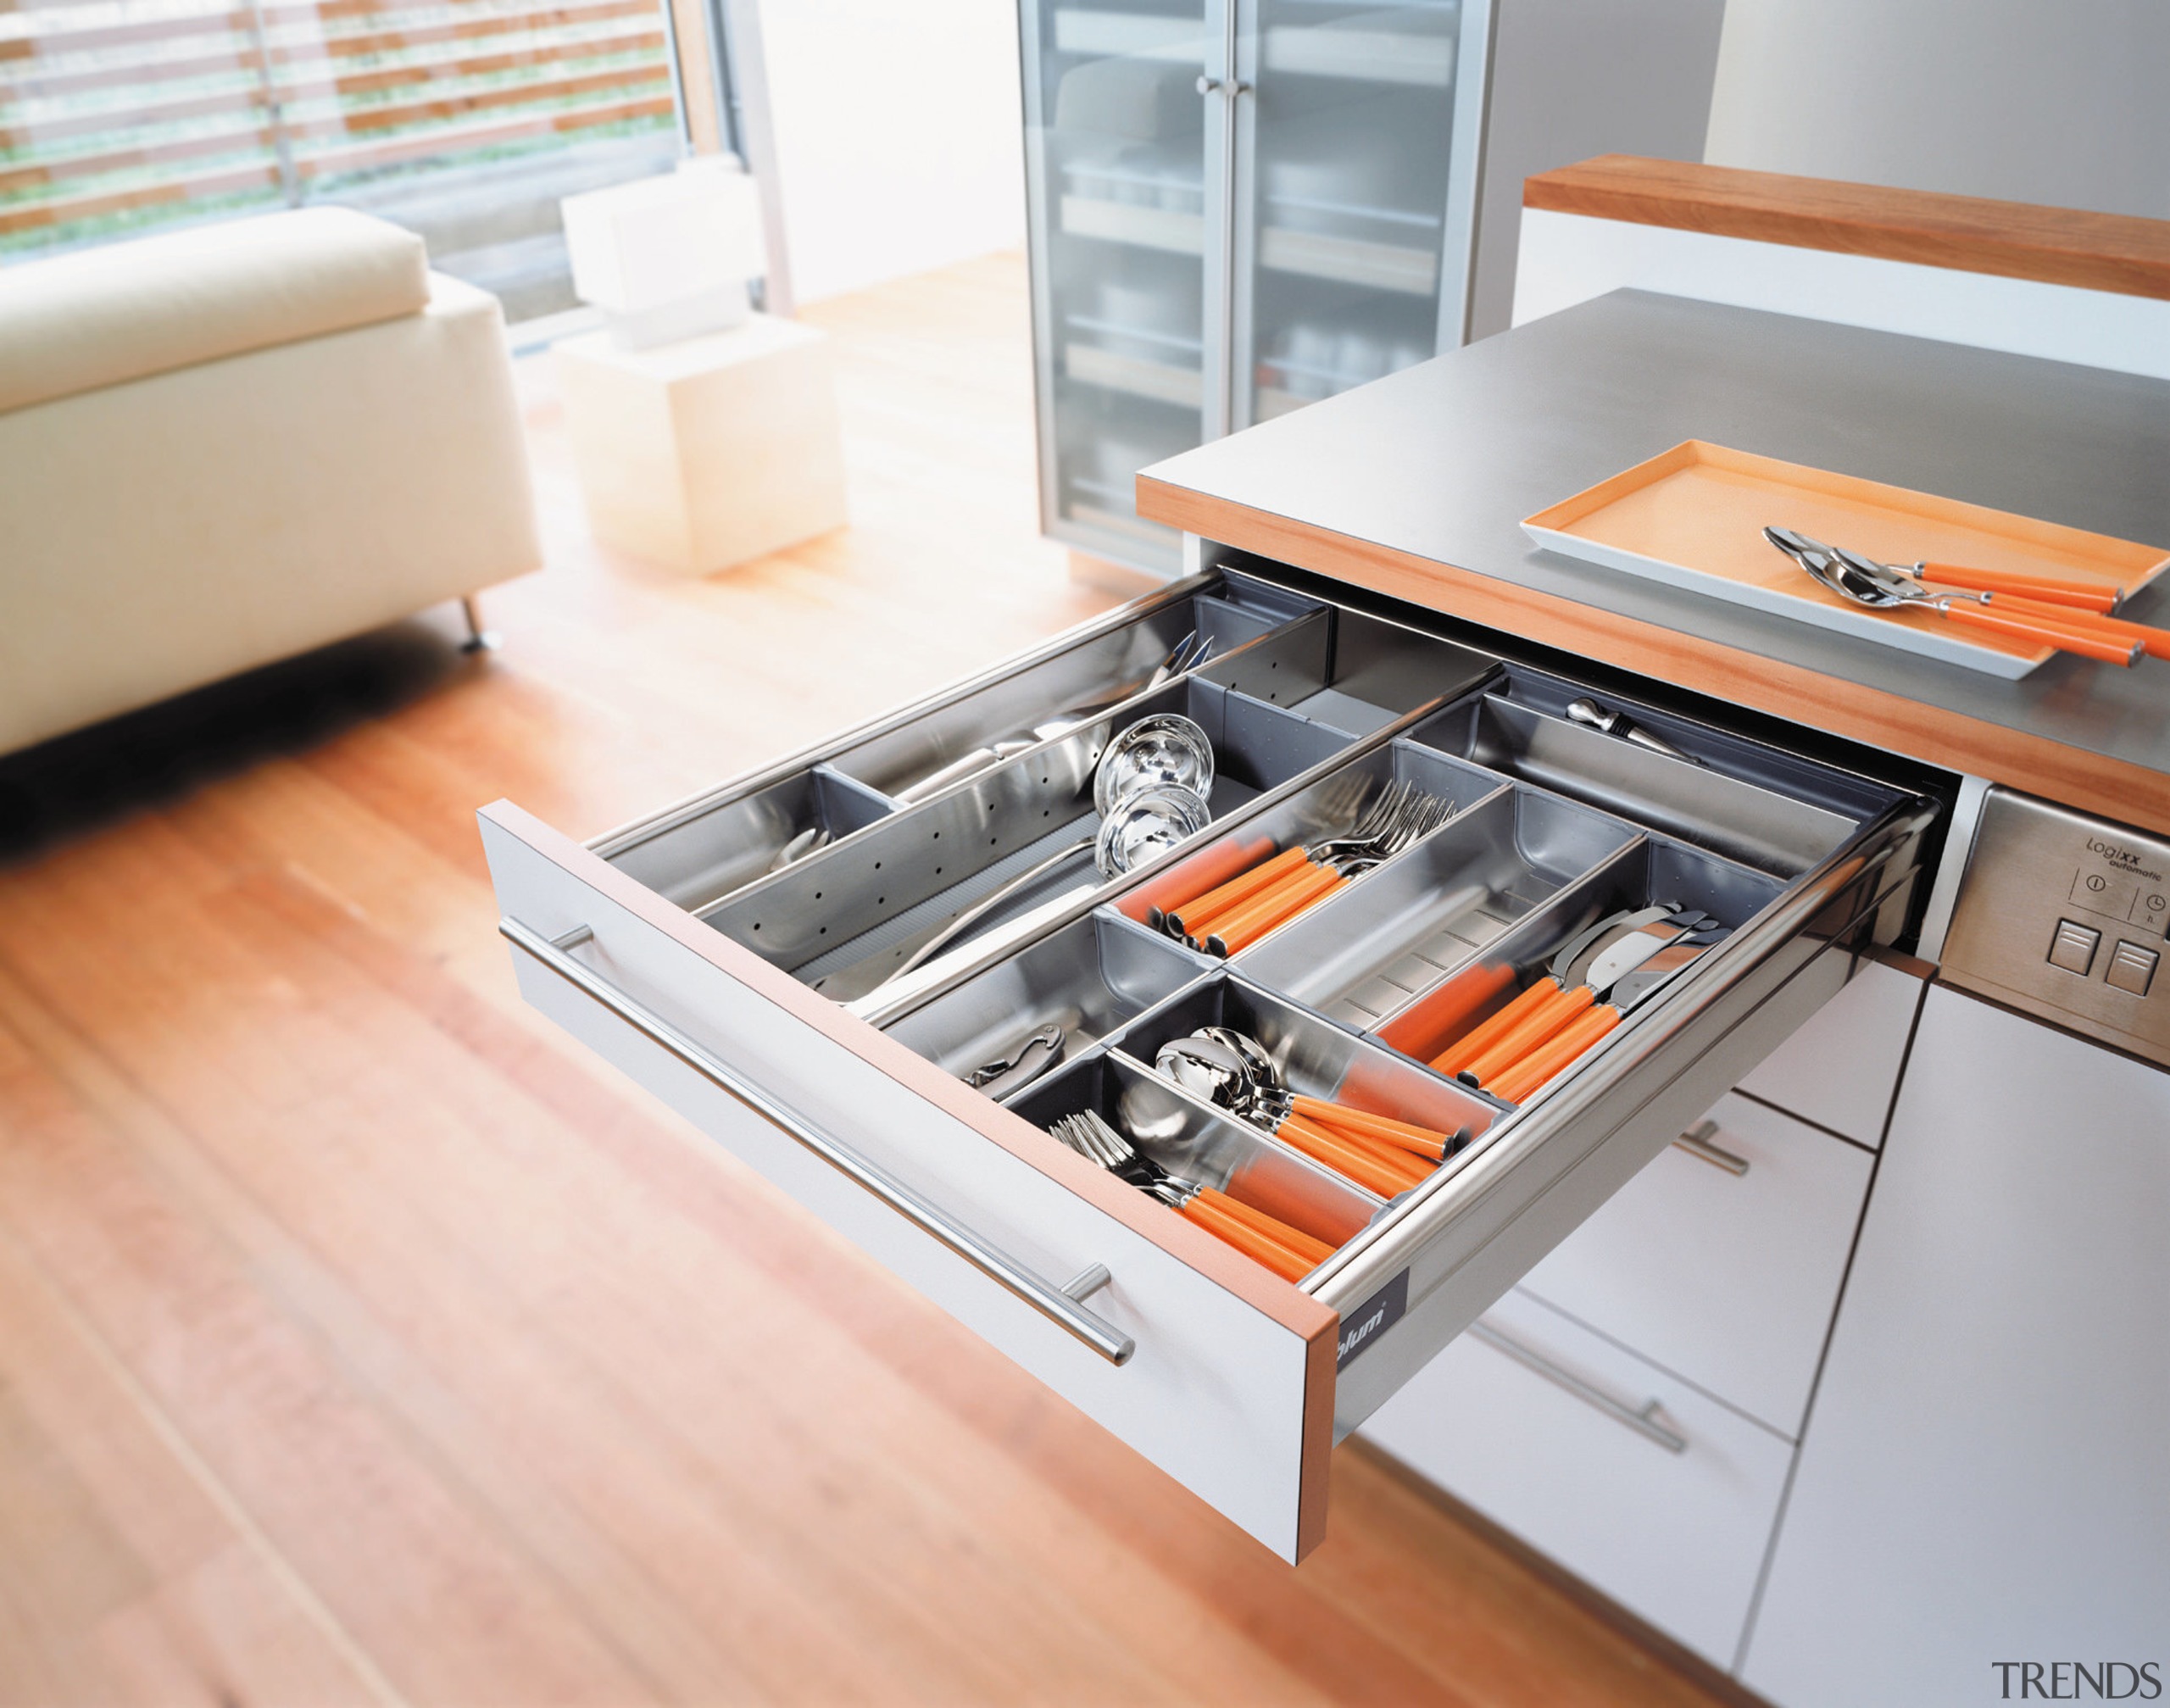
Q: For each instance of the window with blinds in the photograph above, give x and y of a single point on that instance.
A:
(116, 114)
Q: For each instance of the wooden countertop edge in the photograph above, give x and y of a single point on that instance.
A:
(2087, 782)
(2117, 253)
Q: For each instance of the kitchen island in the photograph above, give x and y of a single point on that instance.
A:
(1415, 486)
(1856, 1392)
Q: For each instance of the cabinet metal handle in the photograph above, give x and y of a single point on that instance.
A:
(1056, 1304)
(1232, 87)
(1644, 1422)
(1696, 1142)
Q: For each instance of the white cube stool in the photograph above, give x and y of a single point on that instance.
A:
(706, 452)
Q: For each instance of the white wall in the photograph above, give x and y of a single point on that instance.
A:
(897, 136)
(2060, 102)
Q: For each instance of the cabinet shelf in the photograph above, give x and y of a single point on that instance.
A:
(1367, 56)
(1111, 35)
(1134, 222)
(1138, 376)
(1348, 260)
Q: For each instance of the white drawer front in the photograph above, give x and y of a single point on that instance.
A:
(1230, 1386)
(1727, 1279)
(1676, 1537)
(1840, 1069)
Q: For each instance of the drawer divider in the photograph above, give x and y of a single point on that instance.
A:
(1060, 1304)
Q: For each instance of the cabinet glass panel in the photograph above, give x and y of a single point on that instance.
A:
(1343, 167)
(1121, 226)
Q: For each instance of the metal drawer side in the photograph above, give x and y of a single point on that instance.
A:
(1229, 1387)
(1471, 1231)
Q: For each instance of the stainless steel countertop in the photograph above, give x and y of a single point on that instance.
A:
(1444, 459)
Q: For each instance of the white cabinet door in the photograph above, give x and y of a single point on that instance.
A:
(1727, 1279)
(1985, 1476)
(1840, 1069)
(1653, 1492)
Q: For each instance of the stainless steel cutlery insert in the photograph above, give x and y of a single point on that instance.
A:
(702, 850)
(1453, 947)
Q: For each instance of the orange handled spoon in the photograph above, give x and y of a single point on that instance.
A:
(1187, 917)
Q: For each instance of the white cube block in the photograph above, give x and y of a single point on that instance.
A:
(658, 241)
(705, 454)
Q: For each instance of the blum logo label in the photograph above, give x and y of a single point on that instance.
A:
(1371, 1319)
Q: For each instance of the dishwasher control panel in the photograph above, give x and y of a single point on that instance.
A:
(2068, 917)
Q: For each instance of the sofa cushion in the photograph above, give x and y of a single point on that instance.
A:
(126, 311)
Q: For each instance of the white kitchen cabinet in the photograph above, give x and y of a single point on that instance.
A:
(1840, 1069)
(1651, 1491)
(1727, 1279)
(1985, 1475)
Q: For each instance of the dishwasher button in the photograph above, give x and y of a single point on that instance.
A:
(2073, 947)
(2131, 968)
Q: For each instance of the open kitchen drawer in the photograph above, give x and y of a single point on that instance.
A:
(769, 1006)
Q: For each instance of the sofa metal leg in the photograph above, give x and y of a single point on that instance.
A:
(479, 639)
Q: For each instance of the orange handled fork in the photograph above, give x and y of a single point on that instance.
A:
(1234, 933)
(1185, 917)
(1245, 909)
(2049, 590)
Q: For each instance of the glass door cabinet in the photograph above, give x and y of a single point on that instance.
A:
(1238, 207)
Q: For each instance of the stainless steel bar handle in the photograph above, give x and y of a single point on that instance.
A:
(1051, 1301)
(1696, 1142)
(1644, 1422)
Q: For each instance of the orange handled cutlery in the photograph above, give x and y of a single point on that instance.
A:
(1624, 955)
(2054, 621)
(2084, 596)
(1288, 1252)
(1237, 911)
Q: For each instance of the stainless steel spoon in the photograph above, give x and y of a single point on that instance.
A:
(1208, 1070)
(1270, 1091)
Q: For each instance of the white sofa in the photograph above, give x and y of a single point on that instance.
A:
(229, 445)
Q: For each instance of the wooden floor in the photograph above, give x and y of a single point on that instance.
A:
(359, 1342)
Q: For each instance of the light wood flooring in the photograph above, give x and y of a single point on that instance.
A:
(361, 1342)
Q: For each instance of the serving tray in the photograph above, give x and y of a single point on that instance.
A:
(1694, 516)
